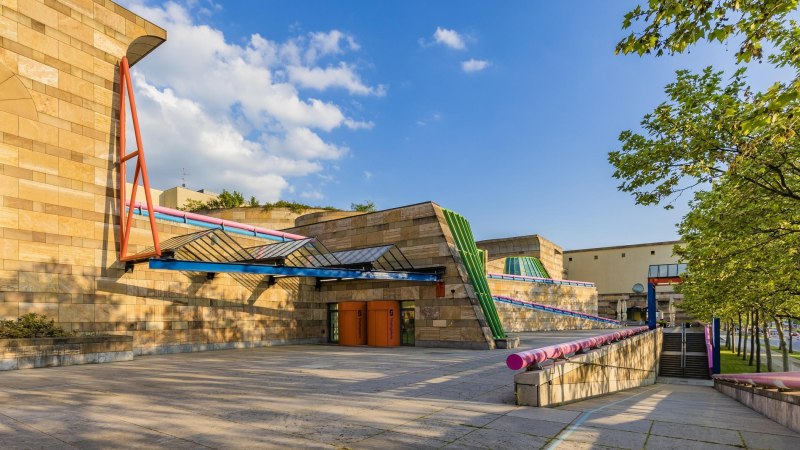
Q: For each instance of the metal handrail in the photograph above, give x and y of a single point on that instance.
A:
(780, 380)
(509, 277)
(534, 357)
(553, 309)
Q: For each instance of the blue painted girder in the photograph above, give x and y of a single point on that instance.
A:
(262, 269)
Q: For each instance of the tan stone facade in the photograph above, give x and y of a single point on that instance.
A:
(550, 254)
(421, 233)
(58, 232)
(517, 318)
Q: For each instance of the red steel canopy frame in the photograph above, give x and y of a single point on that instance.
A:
(126, 219)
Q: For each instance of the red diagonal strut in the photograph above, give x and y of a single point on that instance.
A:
(125, 213)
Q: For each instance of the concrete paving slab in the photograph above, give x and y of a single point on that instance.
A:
(606, 437)
(336, 397)
(668, 443)
(499, 439)
(696, 433)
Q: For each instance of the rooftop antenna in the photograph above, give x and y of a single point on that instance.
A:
(183, 177)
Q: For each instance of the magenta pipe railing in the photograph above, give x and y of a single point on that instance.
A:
(520, 360)
(709, 350)
(216, 221)
(780, 380)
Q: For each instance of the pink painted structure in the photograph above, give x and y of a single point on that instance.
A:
(215, 221)
(780, 380)
(521, 360)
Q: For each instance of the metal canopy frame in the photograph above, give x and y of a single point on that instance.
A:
(307, 252)
(285, 271)
(214, 251)
(381, 257)
(126, 220)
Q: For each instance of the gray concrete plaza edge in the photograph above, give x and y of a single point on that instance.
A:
(317, 396)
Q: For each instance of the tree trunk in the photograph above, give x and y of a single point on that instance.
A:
(784, 352)
(739, 341)
(791, 344)
(752, 339)
(729, 335)
(757, 337)
(767, 346)
(746, 331)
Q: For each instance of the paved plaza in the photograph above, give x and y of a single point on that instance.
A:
(317, 396)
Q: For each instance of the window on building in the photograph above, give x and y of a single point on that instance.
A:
(652, 252)
(570, 258)
(595, 256)
(623, 254)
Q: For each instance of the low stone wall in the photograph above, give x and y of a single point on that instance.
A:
(782, 407)
(63, 351)
(622, 365)
(518, 319)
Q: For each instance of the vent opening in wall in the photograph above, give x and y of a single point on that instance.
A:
(652, 252)
(595, 256)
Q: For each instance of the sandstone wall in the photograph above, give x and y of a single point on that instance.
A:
(421, 233)
(573, 298)
(550, 254)
(58, 207)
(275, 219)
(630, 363)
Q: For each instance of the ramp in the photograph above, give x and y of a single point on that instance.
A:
(554, 310)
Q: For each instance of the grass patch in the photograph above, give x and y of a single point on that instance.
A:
(731, 363)
(795, 355)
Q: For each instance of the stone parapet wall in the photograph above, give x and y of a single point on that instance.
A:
(274, 219)
(630, 363)
(782, 407)
(63, 351)
(574, 298)
(421, 233)
(518, 319)
(550, 254)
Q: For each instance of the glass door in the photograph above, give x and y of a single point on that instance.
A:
(407, 323)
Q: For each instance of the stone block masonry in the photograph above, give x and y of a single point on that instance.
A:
(421, 233)
(58, 206)
(782, 407)
(63, 351)
(626, 364)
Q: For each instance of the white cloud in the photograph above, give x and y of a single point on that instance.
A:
(449, 38)
(313, 195)
(474, 65)
(367, 175)
(341, 76)
(232, 114)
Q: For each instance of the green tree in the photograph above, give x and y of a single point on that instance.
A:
(367, 206)
(253, 201)
(227, 199)
(735, 149)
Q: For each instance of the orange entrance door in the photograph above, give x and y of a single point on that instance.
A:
(353, 323)
(383, 323)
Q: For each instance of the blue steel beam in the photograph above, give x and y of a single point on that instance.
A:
(262, 269)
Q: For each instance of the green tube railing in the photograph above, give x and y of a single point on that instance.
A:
(474, 263)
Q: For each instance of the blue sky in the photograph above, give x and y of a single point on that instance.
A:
(501, 111)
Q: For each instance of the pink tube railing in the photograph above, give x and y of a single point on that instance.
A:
(780, 380)
(216, 221)
(709, 350)
(521, 360)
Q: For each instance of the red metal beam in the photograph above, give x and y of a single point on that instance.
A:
(126, 220)
(661, 281)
